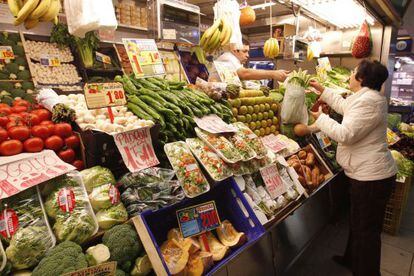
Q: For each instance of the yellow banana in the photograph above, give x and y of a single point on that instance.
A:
(25, 11)
(223, 30)
(309, 54)
(216, 41)
(213, 28)
(266, 48)
(211, 41)
(52, 12)
(275, 49)
(40, 10)
(225, 38)
(15, 6)
(31, 23)
(56, 20)
(203, 39)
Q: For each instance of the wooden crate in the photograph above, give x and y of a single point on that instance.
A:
(396, 205)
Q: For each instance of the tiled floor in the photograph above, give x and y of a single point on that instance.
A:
(397, 251)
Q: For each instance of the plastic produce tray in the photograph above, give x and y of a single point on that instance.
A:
(231, 205)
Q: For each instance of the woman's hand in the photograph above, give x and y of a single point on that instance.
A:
(315, 84)
(317, 113)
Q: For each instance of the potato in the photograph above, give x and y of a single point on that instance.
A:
(310, 159)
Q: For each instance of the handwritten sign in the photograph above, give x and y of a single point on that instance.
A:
(103, 58)
(273, 181)
(214, 124)
(392, 137)
(323, 140)
(50, 60)
(6, 52)
(198, 219)
(98, 95)
(136, 149)
(105, 269)
(144, 57)
(227, 72)
(273, 143)
(25, 170)
(325, 63)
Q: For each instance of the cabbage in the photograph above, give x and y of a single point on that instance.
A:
(405, 166)
(97, 176)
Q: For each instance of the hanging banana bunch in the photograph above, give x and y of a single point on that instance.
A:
(31, 12)
(216, 36)
(309, 53)
(271, 48)
(199, 52)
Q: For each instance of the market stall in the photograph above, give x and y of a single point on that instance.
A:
(127, 147)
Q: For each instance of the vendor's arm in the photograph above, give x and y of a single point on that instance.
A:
(256, 74)
(329, 96)
(360, 119)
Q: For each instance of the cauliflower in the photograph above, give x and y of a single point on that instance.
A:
(77, 227)
(65, 257)
(124, 244)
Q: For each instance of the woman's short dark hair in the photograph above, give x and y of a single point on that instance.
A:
(371, 74)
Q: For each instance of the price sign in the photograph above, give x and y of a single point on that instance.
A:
(105, 269)
(325, 63)
(273, 143)
(227, 72)
(103, 58)
(144, 57)
(136, 149)
(99, 95)
(49, 60)
(273, 181)
(392, 137)
(6, 52)
(323, 140)
(214, 124)
(198, 219)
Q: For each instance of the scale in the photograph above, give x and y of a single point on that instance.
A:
(178, 21)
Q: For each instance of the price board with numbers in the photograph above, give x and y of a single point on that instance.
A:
(99, 95)
(273, 182)
(49, 60)
(198, 219)
(6, 52)
(144, 57)
(103, 58)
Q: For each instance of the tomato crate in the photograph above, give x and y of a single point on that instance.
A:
(231, 205)
(396, 205)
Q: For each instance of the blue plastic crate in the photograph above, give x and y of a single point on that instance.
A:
(230, 204)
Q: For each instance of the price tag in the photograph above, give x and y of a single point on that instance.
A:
(136, 149)
(169, 34)
(9, 223)
(323, 140)
(49, 60)
(227, 72)
(198, 219)
(273, 143)
(99, 95)
(105, 269)
(103, 58)
(6, 52)
(144, 57)
(273, 181)
(25, 170)
(214, 124)
(325, 63)
(392, 137)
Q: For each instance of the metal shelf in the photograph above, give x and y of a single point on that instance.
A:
(124, 26)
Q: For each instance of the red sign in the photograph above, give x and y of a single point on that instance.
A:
(66, 200)
(214, 124)
(136, 149)
(114, 195)
(6, 52)
(25, 170)
(9, 223)
(273, 181)
(273, 143)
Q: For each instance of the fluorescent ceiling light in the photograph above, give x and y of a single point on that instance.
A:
(341, 13)
(262, 6)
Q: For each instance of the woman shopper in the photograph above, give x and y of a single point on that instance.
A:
(363, 154)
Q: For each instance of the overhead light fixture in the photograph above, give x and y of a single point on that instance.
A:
(343, 14)
(263, 6)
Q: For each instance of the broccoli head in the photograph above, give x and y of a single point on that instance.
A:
(65, 257)
(124, 244)
(77, 227)
(28, 246)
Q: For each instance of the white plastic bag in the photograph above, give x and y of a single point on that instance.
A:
(89, 15)
(293, 110)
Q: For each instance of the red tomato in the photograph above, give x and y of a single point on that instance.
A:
(21, 103)
(19, 108)
(14, 123)
(4, 121)
(3, 135)
(72, 141)
(67, 155)
(17, 116)
(43, 114)
(5, 110)
(32, 119)
(78, 164)
(63, 130)
(4, 105)
(54, 142)
(41, 131)
(19, 133)
(11, 147)
(34, 144)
